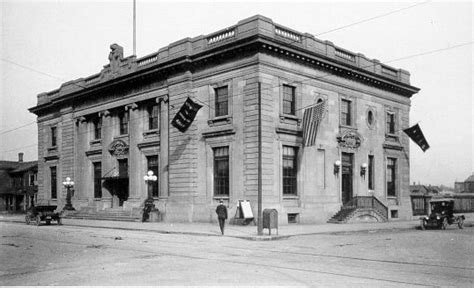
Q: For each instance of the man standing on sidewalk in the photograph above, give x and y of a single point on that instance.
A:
(221, 211)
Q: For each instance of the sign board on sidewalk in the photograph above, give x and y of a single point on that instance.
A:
(246, 209)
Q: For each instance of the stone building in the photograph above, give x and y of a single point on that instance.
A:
(107, 130)
(18, 185)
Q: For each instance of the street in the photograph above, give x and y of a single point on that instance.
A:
(65, 255)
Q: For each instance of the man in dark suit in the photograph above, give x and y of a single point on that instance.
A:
(221, 211)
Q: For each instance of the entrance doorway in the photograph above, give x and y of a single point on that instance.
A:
(346, 174)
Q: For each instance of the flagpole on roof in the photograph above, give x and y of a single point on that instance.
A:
(134, 27)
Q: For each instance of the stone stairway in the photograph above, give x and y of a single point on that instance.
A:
(342, 216)
(110, 214)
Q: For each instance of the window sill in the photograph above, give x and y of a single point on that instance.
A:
(391, 137)
(290, 197)
(221, 120)
(53, 149)
(95, 142)
(290, 119)
(349, 127)
(151, 133)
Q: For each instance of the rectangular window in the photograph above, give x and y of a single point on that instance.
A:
(289, 170)
(97, 128)
(371, 172)
(153, 116)
(152, 165)
(390, 123)
(289, 99)
(391, 176)
(54, 132)
(222, 101)
(32, 179)
(97, 179)
(346, 112)
(54, 183)
(221, 171)
(123, 122)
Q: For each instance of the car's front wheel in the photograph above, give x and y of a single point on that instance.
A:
(444, 225)
(27, 219)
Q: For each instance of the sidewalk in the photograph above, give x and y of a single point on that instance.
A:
(244, 232)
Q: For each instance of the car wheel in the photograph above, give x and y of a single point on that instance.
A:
(59, 221)
(423, 224)
(38, 220)
(48, 222)
(461, 223)
(27, 220)
(444, 226)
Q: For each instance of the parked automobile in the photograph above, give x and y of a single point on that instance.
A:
(442, 215)
(46, 213)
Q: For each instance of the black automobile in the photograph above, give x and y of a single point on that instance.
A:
(442, 215)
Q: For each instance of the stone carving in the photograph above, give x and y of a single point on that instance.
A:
(349, 139)
(118, 148)
(115, 57)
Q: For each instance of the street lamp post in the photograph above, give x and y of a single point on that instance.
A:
(68, 184)
(149, 180)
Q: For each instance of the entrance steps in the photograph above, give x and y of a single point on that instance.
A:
(109, 214)
(342, 216)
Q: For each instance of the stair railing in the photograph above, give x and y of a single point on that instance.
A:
(368, 202)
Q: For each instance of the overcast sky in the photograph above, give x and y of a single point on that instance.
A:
(44, 44)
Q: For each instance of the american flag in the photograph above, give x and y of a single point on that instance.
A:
(312, 117)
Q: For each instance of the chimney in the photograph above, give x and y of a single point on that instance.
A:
(20, 157)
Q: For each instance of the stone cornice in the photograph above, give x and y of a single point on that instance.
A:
(255, 34)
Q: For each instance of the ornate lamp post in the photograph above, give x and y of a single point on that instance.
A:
(149, 180)
(68, 184)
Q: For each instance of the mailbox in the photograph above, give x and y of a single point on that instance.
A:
(270, 220)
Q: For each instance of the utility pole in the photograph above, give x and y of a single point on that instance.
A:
(134, 28)
(259, 197)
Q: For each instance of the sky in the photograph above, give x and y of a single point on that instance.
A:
(44, 44)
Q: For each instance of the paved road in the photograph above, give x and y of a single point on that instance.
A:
(65, 255)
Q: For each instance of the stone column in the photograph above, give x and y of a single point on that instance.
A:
(135, 133)
(164, 146)
(108, 162)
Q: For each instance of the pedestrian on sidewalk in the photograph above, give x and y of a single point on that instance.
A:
(221, 211)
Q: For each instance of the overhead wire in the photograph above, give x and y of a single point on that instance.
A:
(303, 36)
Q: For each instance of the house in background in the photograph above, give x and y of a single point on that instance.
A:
(465, 187)
(18, 184)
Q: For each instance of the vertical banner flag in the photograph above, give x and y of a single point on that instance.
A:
(312, 117)
(185, 116)
(417, 136)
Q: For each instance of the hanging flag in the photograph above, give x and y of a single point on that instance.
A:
(185, 116)
(417, 136)
(312, 117)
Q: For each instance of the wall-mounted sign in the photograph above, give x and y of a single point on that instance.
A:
(349, 139)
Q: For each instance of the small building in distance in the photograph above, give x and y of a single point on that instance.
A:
(465, 187)
(18, 184)
(105, 131)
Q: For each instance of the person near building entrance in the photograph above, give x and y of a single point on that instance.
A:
(221, 211)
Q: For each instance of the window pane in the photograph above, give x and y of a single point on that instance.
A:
(222, 99)
(391, 176)
(371, 172)
(221, 171)
(390, 123)
(153, 116)
(53, 136)
(289, 170)
(98, 128)
(345, 112)
(123, 121)
(288, 100)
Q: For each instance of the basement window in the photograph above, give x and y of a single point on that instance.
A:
(292, 218)
(393, 213)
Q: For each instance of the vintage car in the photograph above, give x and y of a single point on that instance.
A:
(46, 213)
(442, 215)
